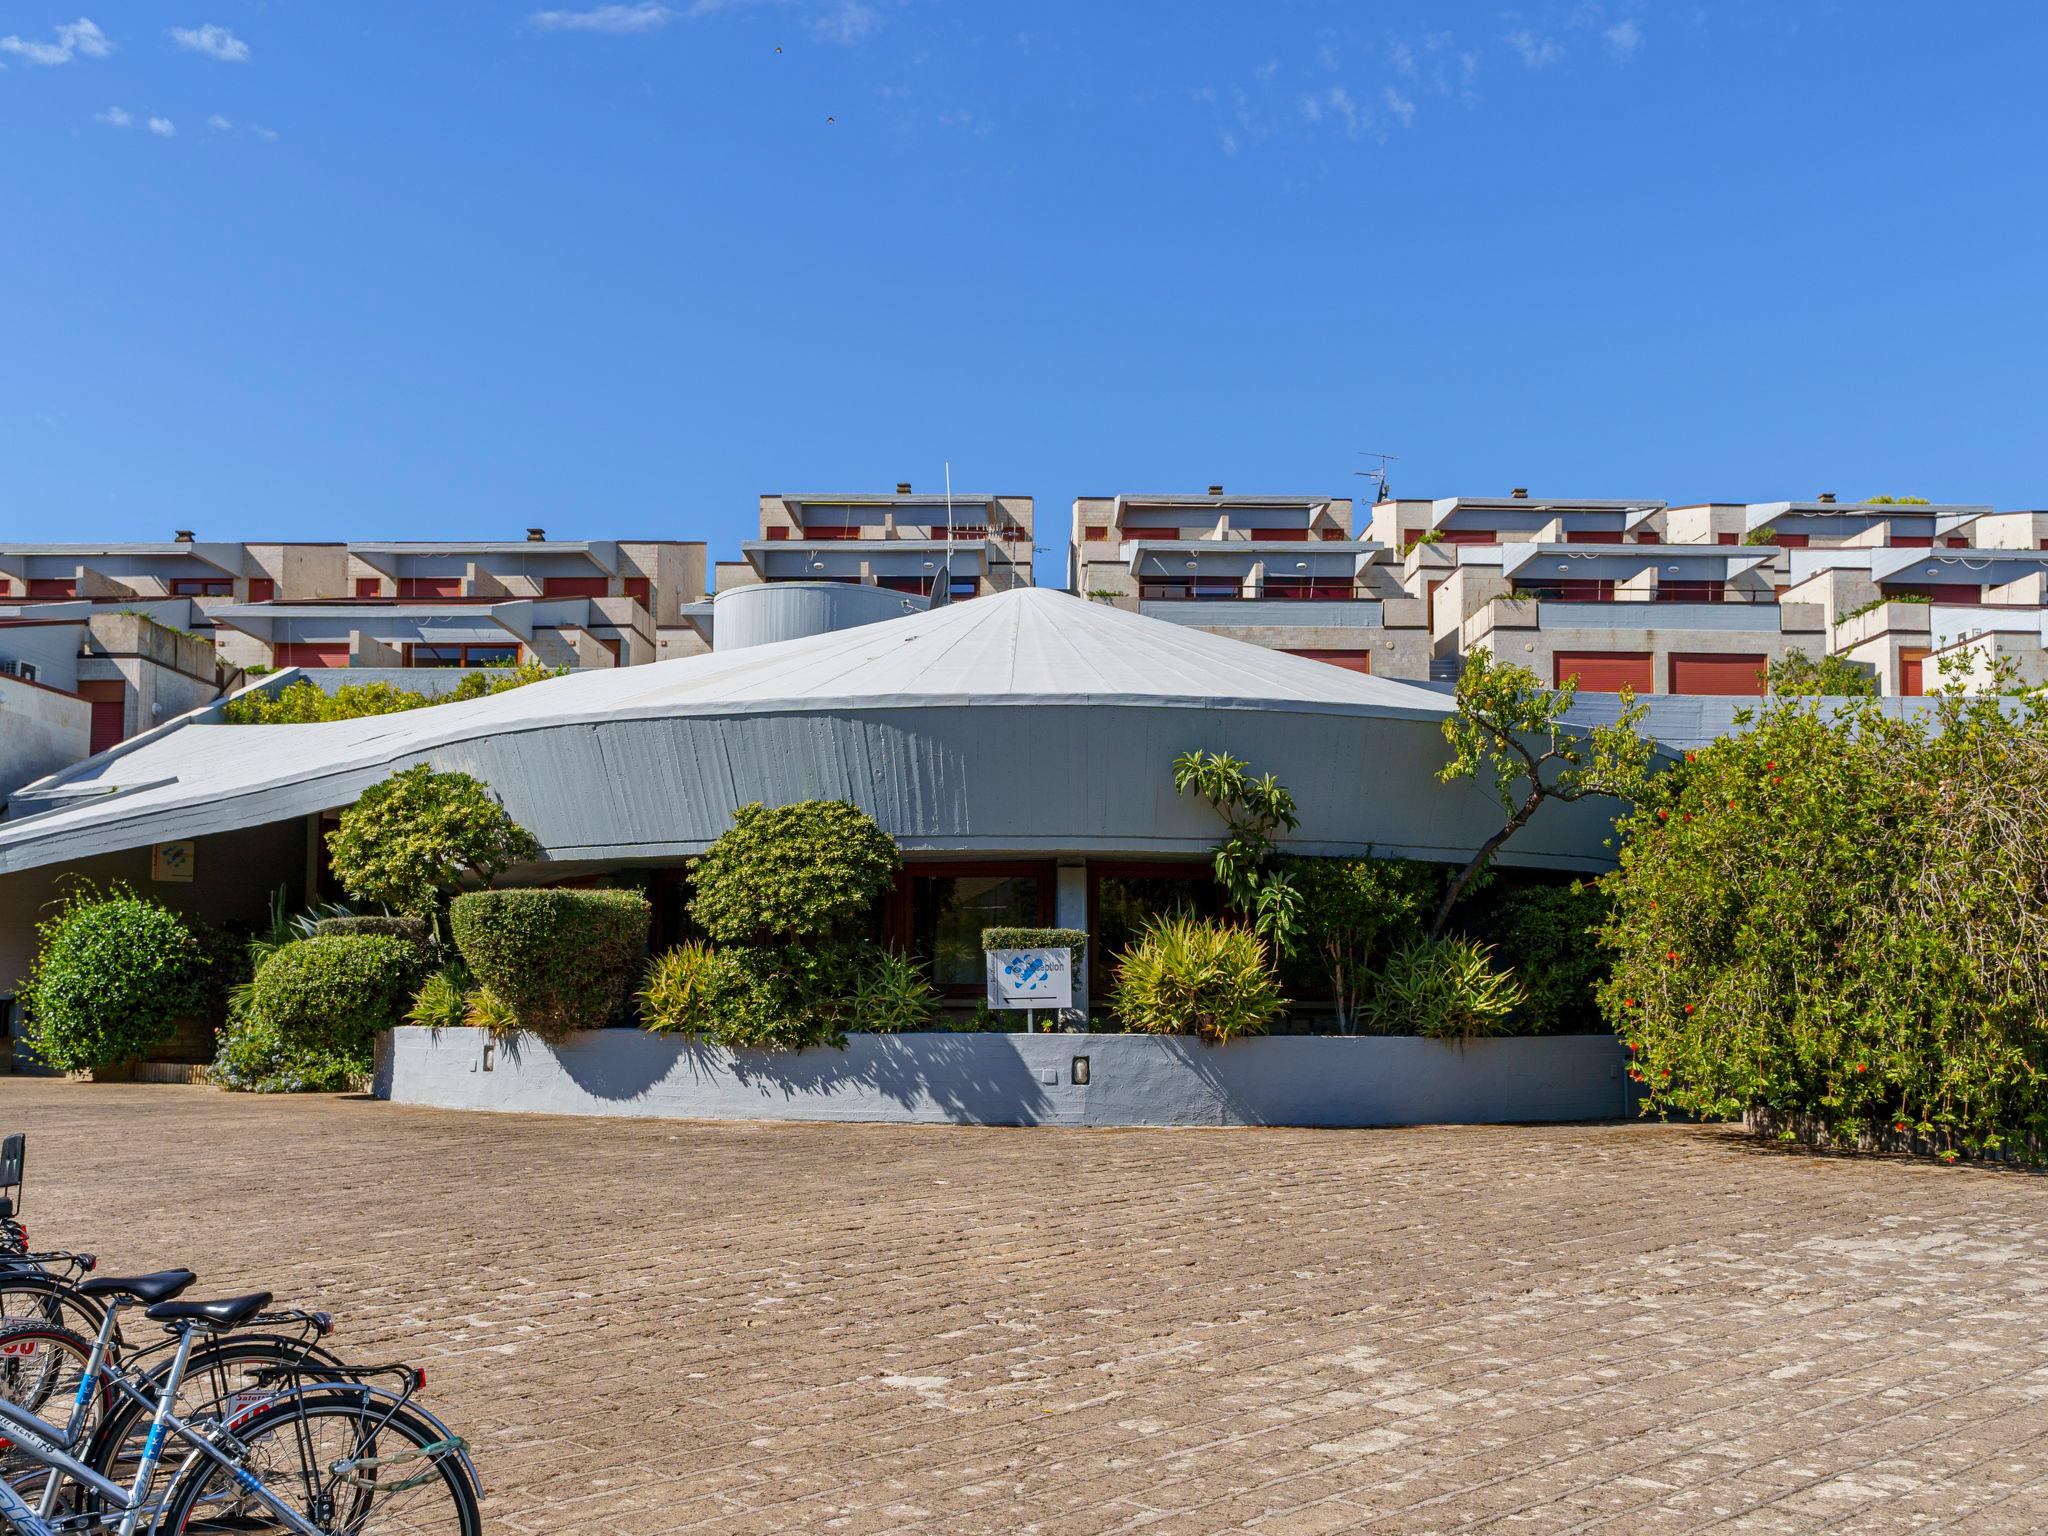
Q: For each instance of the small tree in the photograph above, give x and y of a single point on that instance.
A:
(414, 838)
(1508, 726)
(1254, 809)
(1829, 677)
(112, 974)
(1353, 912)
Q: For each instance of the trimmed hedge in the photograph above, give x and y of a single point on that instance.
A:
(1075, 940)
(560, 960)
(809, 871)
(409, 928)
(112, 974)
(335, 991)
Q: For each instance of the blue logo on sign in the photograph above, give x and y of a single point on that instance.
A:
(1028, 973)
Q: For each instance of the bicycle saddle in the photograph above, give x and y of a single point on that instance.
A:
(161, 1286)
(225, 1313)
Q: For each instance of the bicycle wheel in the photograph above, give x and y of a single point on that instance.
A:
(344, 1461)
(222, 1378)
(30, 1296)
(41, 1368)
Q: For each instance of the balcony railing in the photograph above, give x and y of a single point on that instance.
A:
(1670, 592)
(1206, 592)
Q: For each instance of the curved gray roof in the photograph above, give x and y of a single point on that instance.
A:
(1023, 720)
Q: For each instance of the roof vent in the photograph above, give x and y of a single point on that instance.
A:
(902, 487)
(1519, 493)
(1215, 490)
(183, 535)
(536, 535)
(1827, 498)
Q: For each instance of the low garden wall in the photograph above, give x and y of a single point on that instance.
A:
(1005, 1079)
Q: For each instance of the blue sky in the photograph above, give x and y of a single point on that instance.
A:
(306, 270)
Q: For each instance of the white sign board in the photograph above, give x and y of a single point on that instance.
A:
(170, 861)
(1030, 978)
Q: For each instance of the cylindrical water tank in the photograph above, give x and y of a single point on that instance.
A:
(793, 610)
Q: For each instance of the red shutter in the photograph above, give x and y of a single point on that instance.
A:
(1469, 536)
(1791, 541)
(641, 590)
(1605, 671)
(1740, 676)
(1956, 543)
(1350, 661)
(1726, 538)
(310, 653)
(424, 586)
(49, 586)
(109, 713)
(1334, 535)
(1150, 531)
(369, 586)
(1912, 669)
(573, 586)
(262, 589)
(1091, 534)
(1912, 544)
(1279, 535)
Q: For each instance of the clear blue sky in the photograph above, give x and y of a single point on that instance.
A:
(321, 270)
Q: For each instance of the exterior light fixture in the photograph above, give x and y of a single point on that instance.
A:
(1078, 1072)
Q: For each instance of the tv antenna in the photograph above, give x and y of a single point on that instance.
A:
(1377, 474)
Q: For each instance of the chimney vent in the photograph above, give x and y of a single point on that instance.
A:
(1519, 493)
(536, 535)
(1827, 498)
(1215, 490)
(184, 535)
(902, 487)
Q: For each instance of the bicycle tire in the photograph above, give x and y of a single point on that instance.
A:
(29, 1295)
(23, 1472)
(286, 1428)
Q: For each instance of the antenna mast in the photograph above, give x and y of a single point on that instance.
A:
(1377, 474)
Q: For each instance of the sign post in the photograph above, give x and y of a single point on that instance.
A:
(1030, 979)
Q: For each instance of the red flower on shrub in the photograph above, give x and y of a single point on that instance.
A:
(1772, 764)
(1899, 1126)
(1688, 1007)
(1860, 1068)
(1692, 757)
(1663, 815)
(1670, 954)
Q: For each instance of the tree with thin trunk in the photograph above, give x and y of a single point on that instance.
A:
(1510, 728)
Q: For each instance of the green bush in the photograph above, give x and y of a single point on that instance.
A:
(306, 702)
(1075, 940)
(112, 974)
(1353, 912)
(1444, 989)
(442, 1001)
(334, 993)
(1550, 936)
(559, 960)
(1841, 918)
(810, 871)
(408, 928)
(419, 834)
(1190, 976)
(484, 1009)
(253, 1056)
(786, 997)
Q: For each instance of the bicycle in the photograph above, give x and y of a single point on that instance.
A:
(336, 1449)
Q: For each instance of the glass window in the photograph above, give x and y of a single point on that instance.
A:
(1124, 904)
(948, 913)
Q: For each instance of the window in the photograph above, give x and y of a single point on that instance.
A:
(573, 586)
(1791, 541)
(641, 590)
(1350, 661)
(1094, 535)
(369, 586)
(50, 586)
(1150, 531)
(831, 531)
(948, 912)
(262, 589)
(1469, 536)
(202, 586)
(964, 587)
(462, 655)
(1122, 899)
(1335, 535)
(427, 586)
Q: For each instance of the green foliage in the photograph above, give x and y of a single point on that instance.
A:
(1353, 911)
(409, 928)
(306, 703)
(1444, 989)
(484, 1009)
(1842, 916)
(1507, 731)
(1253, 809)
(112, 974)
(1432, 536)
(333, 994)
(560, 960)
(1896, 501)
(419, 834)
(786, 997)
(253, 1056)
(1075, 940)
(442, 1001)
(1760, 536)
(1829, 677)
(1878, 602)
(1188, 976)
(1549, 934)
(810, 871)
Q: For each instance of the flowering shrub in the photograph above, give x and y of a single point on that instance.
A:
(1844, 917)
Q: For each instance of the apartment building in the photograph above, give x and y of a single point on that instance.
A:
(123, 636)
(1284, 572)
(936, 547)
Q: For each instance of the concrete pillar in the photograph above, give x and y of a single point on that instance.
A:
(1070, 910)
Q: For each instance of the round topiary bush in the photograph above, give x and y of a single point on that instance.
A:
(112, 974)
(560, 960)
(410, 928)
(809, 871)
(333, 993)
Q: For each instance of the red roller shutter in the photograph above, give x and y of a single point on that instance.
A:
(429, 586)
(1605, 671)
(573, 586)
(1350, 661)
(1731, 675)
(311, 653)
(109, 701)
(1912, 673)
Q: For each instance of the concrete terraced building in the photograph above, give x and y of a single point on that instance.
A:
(1699, 599)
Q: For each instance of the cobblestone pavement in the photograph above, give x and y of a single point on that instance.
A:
(658, 1327)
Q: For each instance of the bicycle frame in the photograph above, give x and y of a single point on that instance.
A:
(40, 1441)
